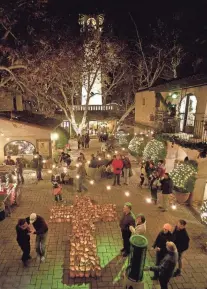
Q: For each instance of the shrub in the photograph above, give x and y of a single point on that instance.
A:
(155, 150)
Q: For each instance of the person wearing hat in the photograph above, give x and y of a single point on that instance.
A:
(127, 220)
(23, 239)
(160, 246)
(40, 231)
(140, 228)
(167, 266)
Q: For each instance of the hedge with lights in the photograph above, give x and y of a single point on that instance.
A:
(137, 145)
(155, 150)
(124, 140)
(204, 212)
(184, 177)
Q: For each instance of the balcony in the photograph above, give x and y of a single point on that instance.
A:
(107, 107)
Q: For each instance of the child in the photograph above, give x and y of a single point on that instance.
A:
(142, 178)
(57, 188)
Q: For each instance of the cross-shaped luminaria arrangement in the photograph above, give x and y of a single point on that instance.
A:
(84, 261)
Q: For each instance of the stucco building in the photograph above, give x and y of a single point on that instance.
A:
(178, 108)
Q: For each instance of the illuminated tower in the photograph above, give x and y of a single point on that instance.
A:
(93, 25)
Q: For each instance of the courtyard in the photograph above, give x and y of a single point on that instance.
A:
(53, 274)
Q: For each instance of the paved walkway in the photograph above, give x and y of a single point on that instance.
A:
(53, 274)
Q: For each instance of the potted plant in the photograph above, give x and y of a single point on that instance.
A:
(184, 178)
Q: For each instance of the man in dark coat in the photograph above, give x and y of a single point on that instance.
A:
(166, 187)
(23, 239)
(38, 163)
(160, 246)
(127, 220)
(40, 231)
(166, 268)
(181, 240)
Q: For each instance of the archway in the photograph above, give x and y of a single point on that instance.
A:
(18, 147)
(187, 113)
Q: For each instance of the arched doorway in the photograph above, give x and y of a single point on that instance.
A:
(187, 113)
(19, 148)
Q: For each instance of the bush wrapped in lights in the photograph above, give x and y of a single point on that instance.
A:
(184, 177)
(155, 150)
(137, 145)
(204, 212)
(123, 140)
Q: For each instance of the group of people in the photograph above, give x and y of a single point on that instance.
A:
(83, 141)
(169, 245)
(156, 177)
(19, 167)
(34, 224)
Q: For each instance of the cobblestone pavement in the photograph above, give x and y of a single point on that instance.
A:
(53, 274)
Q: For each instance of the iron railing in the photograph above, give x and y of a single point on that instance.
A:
(95, 107)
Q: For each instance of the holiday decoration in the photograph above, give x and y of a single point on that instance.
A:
(155, 150)
(136, 145)
(84, 261)
(204, 212)
(123, 140)
(184, 177)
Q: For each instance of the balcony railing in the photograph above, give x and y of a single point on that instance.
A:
(108, 107)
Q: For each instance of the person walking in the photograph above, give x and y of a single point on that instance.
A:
(166, 187)
(41, 231)
(19, 170)
(83, 141)
(126, 169)
(81, 177)
(167, 265)
(93, 167)
(117, 165)
(140, 227)
(57, 188)
(160, 245)
(181, 240)
(79, 141)
(127, 220)
(38, 161)
(23, 240)
(154, 185)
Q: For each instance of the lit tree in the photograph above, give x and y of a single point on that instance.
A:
(204, 212)
(56, 72)
(137, 145)
(155, 150)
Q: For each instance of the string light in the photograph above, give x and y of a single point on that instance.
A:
(99, 159)
(88, 162)
(116, 152)
(53, 166)
(204, 212)
(136, 146)
(44, 161)
(155, 150)
(108, 156)
(123, 149)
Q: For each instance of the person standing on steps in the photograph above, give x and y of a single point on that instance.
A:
(117, 165)
(23, 240)
(41, 231)
(181, 240)
(160, 246)
(127, 220)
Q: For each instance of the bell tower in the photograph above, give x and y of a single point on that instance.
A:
(92, 25)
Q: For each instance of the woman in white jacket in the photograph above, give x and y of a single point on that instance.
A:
(140, 228)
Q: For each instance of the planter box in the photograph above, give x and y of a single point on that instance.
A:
(182, 198)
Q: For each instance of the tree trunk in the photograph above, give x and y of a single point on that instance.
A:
(127, 112)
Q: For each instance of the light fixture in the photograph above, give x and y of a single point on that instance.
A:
(123, 149)
(108, 188)
(149, 200)
(127, 194)
(88, 162)
(2, 134)
(77, 177)
(92, 182)
(108, 156)
(49, 171)
(174, 95)
(174, 207)
(7, 139)
(54, 136)
(44, 161)
(116, 152)
(53, 166)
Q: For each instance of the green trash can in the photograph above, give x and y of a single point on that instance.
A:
(137, 258)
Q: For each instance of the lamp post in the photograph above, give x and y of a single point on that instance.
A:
(54, 136)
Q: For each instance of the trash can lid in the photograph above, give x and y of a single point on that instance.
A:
(139, 241)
